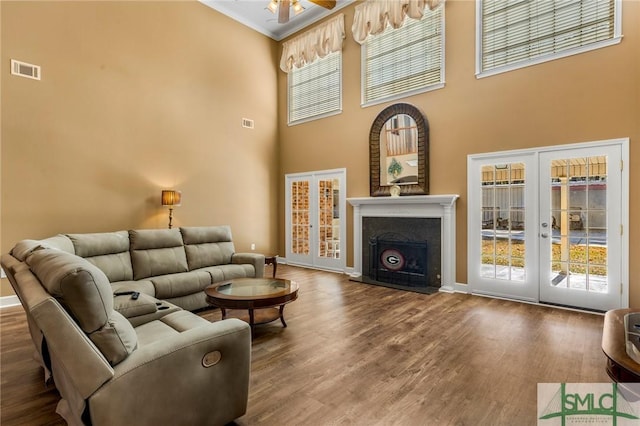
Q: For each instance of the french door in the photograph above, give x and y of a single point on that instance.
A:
(316, 219)
(581, 227)
(502, 242)
(548, 225)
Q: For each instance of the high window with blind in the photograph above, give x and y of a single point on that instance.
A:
(518, 33)
(405, 61)
(315, 89)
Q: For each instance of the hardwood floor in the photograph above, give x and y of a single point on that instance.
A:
(366, 355)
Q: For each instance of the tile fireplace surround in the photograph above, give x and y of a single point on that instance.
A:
(431, 206)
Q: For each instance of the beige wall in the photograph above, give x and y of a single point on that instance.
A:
(136, 97)
(588, 97)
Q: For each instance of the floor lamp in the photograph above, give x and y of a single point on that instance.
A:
(171, 199)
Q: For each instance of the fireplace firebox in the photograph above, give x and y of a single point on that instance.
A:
(395, 259)
(396, 252)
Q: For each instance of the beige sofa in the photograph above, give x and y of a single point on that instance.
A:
(109, 316)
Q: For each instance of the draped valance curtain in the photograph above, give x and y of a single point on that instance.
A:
(373, 16)
(316, 43)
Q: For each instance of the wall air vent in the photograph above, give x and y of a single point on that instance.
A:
(24, 69)
(247, 123)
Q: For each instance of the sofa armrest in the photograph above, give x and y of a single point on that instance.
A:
(171, 381)
(84, 368)
(142, 310)
(255, 259)
(83, 365)
(124, 302)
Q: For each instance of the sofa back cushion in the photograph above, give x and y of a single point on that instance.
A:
(84, 291)
(207, 245)
(24, 248)
(157, 252)
(109, 251)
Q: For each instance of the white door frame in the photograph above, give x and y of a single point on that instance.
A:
(560, 294)
(313, 260)
(526, 289)
(474, 227)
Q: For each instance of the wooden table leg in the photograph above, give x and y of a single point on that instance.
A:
(284, 324)
(251, 319)
(273, 261)
(224, 313)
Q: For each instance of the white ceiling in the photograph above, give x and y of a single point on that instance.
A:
(254, 14)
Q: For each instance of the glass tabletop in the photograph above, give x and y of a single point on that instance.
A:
(254, 287)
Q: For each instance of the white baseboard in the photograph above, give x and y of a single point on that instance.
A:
(7, 301)
(461, 288)
(357, 276)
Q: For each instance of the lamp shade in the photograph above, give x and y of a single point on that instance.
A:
(171, 198)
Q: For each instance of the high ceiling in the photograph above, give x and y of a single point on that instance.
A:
(254, 14)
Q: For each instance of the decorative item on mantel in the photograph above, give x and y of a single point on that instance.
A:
(395, 168)
(171, 199)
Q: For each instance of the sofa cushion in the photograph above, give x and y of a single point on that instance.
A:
(231, 271)
(84, 291)
(207, 245)
(125, 304)
(80, 286)
(141, 286)
(190, 302)
(157, 252)
(175, 285)
(24, 248)
(168, 326)
(109, 251)
(216, 272)
(117, 339)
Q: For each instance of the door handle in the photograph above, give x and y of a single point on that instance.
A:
(544, 235)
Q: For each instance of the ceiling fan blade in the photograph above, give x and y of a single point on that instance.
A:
(327, 4)
(283, 11)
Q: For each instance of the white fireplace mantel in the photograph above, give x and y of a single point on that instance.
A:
(429, 206)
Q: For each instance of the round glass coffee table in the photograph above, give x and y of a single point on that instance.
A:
(263, 298)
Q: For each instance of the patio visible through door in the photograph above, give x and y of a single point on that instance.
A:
(580, 227)
(548, 225)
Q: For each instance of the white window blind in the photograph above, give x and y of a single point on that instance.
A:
(522, 32)
(404, 61)
(315, 90)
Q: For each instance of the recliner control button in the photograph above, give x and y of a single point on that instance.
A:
(212, 358)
